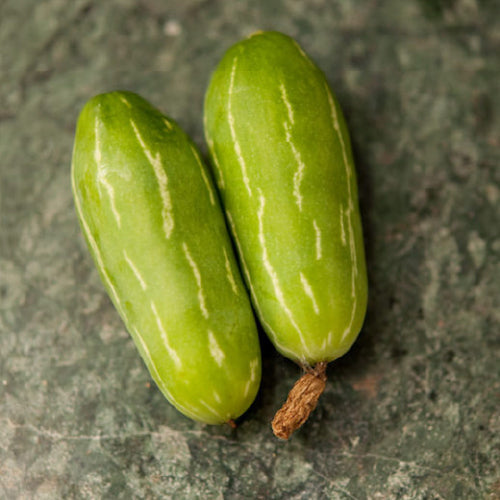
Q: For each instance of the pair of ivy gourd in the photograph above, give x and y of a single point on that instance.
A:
(157, 227)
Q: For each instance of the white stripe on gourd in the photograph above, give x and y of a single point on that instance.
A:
(303, 54)
(229, 272)
(317, 232)
(171, 352)
(213, 411)
(125, 101)
(254, 364)
(219, 179)
(197, 277)
(299, 174)
(136, 272)
(289, 108)
(230, 117)
(272, 273)
(309, 292)
(216, 396)
(253, 373)
(161, 177)
(204, 176)
(269, 330)
(350, 208)
(215, 350)
(168, 125)
(102, 174)
(342, 228)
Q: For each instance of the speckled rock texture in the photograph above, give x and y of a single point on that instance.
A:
(412, 412)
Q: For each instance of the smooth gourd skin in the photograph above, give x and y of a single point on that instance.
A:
(283, 164)
(157, 234)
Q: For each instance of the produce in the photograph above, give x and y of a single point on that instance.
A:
(283, 163)
(155, 229)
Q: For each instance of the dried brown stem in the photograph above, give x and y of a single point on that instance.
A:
(301, 401)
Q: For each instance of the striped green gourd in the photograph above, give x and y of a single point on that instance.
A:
(156, 232)
(283, 164)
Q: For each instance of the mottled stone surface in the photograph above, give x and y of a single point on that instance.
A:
(412, 411)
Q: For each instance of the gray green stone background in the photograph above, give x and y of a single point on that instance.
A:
(412, 411)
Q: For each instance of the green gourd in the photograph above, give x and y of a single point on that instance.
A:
(156, 232)
(282, 160)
